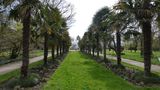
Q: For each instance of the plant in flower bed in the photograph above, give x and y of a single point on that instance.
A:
(133, 76)
(38, 76)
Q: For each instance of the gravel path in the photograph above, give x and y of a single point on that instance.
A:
(15, 65)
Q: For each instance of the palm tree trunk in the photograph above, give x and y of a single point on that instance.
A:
(60, 49)
(14, 53)
(53, 56)
(93, 49)
(26, 35)
(136, 45)
(98, 46)
(118, 51)
(147, 35)
(45, 48)
(142, 46)
(63, 48)
(90, 50)
(57, 51)
(104, 49)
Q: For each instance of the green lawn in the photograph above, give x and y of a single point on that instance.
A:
(80, 72)
(136, 56)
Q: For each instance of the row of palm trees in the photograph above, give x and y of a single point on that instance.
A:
(110, 23)
(45, 18)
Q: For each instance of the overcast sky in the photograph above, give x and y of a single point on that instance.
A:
(85, 10)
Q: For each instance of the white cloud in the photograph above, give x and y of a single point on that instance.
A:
(85, 10)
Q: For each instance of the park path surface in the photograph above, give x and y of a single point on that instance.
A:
(154, 68)
(15, 65)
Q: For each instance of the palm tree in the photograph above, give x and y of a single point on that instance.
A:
(52, 44)
(118, 22)
(84, 43)
(100, 20)
(26, 30)
(144, 11)
(92, 38)
(45, 48)
(117, 25)
(66, 41)
(49, 26)
(23, 11)
(26, 10)
(47, 32)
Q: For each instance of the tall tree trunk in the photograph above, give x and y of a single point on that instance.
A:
(93, 49)
(57, 51)
(45, 48)
(98, 46)
(90, 50)
(104, 49)
(118, 51)
(63, 47)
(147, 34)
(53, 56)
(87, 50)
(159, 42)
(26, 35)
(14, 53)
(136, 45)
(60, 48)
(142, 46)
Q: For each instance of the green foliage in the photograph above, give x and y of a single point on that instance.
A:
(11, 39)
(4, 56)
(101, 16)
